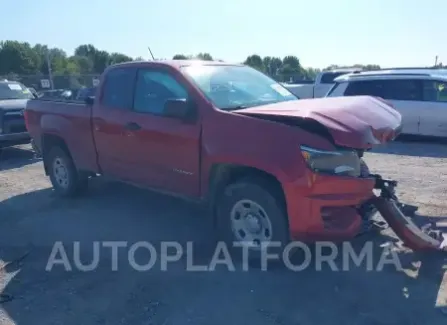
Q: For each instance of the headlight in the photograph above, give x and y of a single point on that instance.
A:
(340, 162)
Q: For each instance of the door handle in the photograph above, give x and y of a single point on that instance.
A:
(132, 126)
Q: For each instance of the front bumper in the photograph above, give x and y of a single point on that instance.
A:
(324, 207)
(12, 139)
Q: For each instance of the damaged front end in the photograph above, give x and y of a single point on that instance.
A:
(340, 185)
(348, 163)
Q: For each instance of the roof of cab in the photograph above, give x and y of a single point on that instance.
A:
(176, 64)
(422, 73)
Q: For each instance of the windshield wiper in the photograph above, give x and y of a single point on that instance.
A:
(233, 108)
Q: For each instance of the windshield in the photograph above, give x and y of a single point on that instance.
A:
(14, 90)
(234, 87)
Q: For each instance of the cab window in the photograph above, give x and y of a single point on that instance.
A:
(153, 89)
(118, 88)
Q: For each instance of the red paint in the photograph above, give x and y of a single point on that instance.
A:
(356, 122)
(152, 157)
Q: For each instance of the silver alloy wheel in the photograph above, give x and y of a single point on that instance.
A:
(60, 172)
(250, 224)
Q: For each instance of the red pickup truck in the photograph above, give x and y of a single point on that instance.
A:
(270, 166)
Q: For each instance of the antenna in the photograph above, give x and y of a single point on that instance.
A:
(151, 53)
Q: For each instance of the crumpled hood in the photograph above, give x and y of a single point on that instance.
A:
(12, 104)
(357, 122)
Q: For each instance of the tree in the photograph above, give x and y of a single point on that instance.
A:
(271, 65)
(19, 58)
(311, 73)
(291, 69)
(255, 61)
(84, 64)
(180, 57)
(119, 58)
(204, 56)
(87, 50)
(101, 60)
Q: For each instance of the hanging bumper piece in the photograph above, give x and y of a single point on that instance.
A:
(426, 238)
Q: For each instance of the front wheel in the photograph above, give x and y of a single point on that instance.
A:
(250, 215)
(67, 181)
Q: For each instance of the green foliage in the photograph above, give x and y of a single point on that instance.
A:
(18, 59)
(255, 61)
(180, 57)
(286, 69)
(204, 56)
(21, 60)
(200, 56)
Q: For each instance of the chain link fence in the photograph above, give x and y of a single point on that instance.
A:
(42, 82)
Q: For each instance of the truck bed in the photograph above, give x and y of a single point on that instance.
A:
(70, 120)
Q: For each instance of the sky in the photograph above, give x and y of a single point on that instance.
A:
(390, 33)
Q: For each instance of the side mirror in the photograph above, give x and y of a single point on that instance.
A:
(89, 100)
(178, 108)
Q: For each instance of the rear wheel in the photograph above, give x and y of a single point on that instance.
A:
(250, 216)
(67, 181)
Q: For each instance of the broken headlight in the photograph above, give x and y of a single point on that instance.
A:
(339, 162)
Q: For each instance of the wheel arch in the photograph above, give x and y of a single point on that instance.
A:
(223, 174)
(50, 141)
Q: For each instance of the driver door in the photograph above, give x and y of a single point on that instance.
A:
(165, 151)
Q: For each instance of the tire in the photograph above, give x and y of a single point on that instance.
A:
(262, 195)
(74, 183)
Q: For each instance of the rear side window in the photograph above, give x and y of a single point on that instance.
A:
(404, 89)
(366, 88)
(397, 89)
(435, 91)
(328, 77)
(118, 88)
(338, 89)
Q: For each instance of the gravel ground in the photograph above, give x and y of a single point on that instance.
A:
(32, 220)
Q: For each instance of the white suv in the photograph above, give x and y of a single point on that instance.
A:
(420, 96)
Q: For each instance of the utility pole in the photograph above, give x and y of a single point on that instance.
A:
(151, 53)
(50, 74)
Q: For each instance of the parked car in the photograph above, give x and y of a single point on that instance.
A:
(269, 167)
(13, 99)
(318, 88)
(419, 95)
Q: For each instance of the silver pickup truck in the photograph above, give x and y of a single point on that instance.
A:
(321, 86)
(13, 99)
